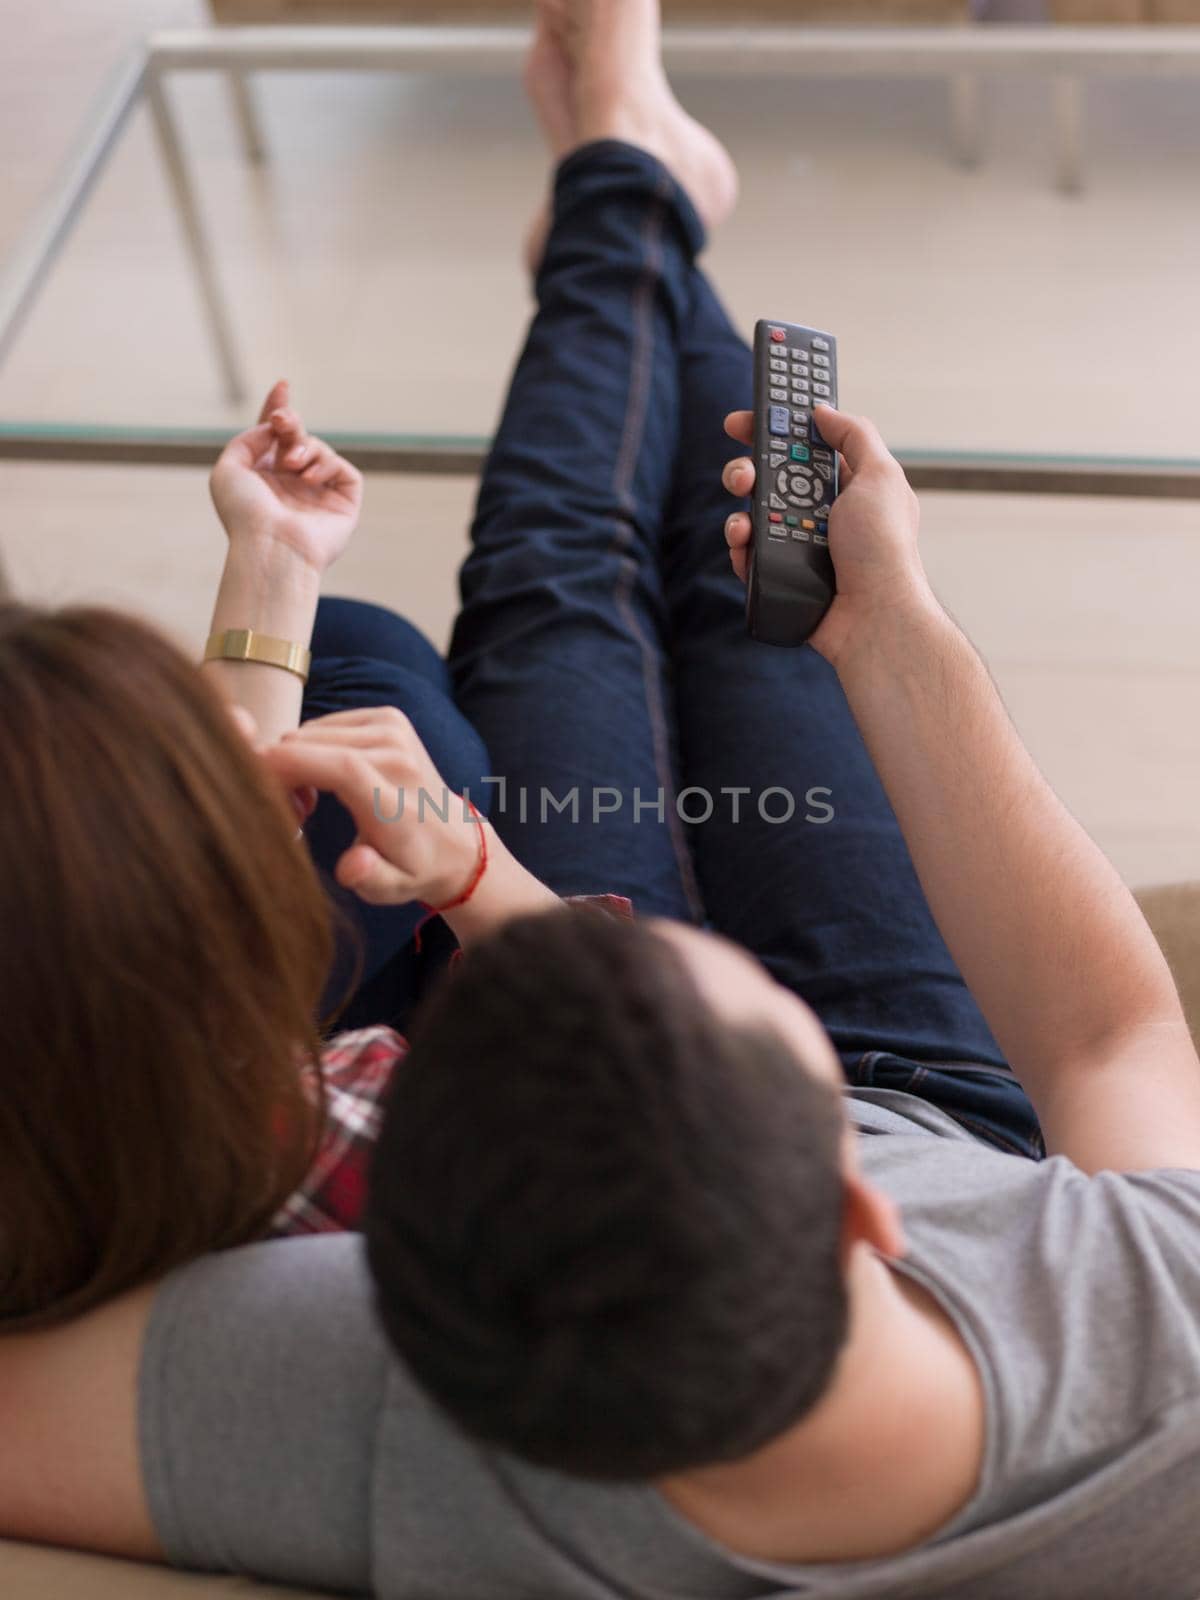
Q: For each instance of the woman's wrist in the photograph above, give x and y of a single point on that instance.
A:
(273, 591)
(504, 891)
(269, 588)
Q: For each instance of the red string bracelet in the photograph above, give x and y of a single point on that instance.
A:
(476, 880)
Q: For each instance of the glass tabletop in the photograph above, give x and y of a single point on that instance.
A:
(375, 258)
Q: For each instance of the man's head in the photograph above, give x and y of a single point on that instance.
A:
(607, 1211)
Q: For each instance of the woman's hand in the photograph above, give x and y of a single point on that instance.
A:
(417, 840)
(277, 485)
(408, 848)
(872, 526)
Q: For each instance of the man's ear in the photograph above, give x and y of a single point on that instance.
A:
(870, 1217)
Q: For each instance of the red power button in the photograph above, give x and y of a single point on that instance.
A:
(778, 335)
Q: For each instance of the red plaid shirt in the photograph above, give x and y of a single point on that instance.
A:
(357, 1069)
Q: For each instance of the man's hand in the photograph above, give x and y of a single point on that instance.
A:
(277, 485)
(872, 527)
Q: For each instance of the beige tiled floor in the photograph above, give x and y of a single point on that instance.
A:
(975, 310)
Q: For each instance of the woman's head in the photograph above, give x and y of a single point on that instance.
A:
(163, 943)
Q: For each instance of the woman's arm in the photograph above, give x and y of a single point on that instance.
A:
(70, 1472)
(289, 505)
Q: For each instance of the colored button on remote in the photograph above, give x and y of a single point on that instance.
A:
(778, 336)
(799, 452)
(780, 421)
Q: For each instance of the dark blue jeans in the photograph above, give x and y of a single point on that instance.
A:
(601, 653)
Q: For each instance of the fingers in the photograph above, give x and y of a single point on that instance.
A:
(371, 877)
(277, 398)
(739, 476)
(857, 439)
(331, 769)
(247, 448)
(739, 425)
(384, 716)
(738, 533)
(328, 470)
(312, 460)
(291, 437)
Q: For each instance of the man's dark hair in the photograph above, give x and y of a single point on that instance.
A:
(604, 1224)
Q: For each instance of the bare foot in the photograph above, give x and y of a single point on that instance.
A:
(550, 85)
(620, 91)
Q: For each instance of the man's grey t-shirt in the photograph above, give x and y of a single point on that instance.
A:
(281, 1439)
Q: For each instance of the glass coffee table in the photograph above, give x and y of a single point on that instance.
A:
(897, 188)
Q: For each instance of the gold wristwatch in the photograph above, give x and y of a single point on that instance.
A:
(243, 644)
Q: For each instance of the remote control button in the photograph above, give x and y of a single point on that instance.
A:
(799, 358)
(799, 452)
(779, 366)
(799, 533)
(809, 524)
(774, 516)
(799, 383)
(820, 344)
(822, 526)
(776, 503)
(792, 522)
(778, 420)
(778, 335)
(801, 487)
(822, 389)
(820, 538)
(820, 361)
(824, 457)
(776, 459)
(801, 420)
(779, 394)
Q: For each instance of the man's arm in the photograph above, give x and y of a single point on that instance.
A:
(1049, 940)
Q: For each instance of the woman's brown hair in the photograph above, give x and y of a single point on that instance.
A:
(163, 944)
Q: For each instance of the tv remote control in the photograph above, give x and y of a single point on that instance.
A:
(791, 583)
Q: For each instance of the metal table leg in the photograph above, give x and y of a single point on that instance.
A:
(241, 89)
(215, 307)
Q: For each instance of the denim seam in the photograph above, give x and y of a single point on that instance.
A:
(635, 416)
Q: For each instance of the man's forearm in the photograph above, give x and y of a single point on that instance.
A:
(1049, 940)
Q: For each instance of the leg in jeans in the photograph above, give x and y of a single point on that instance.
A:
(557, 655)
(366, 656)
(833, 907)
